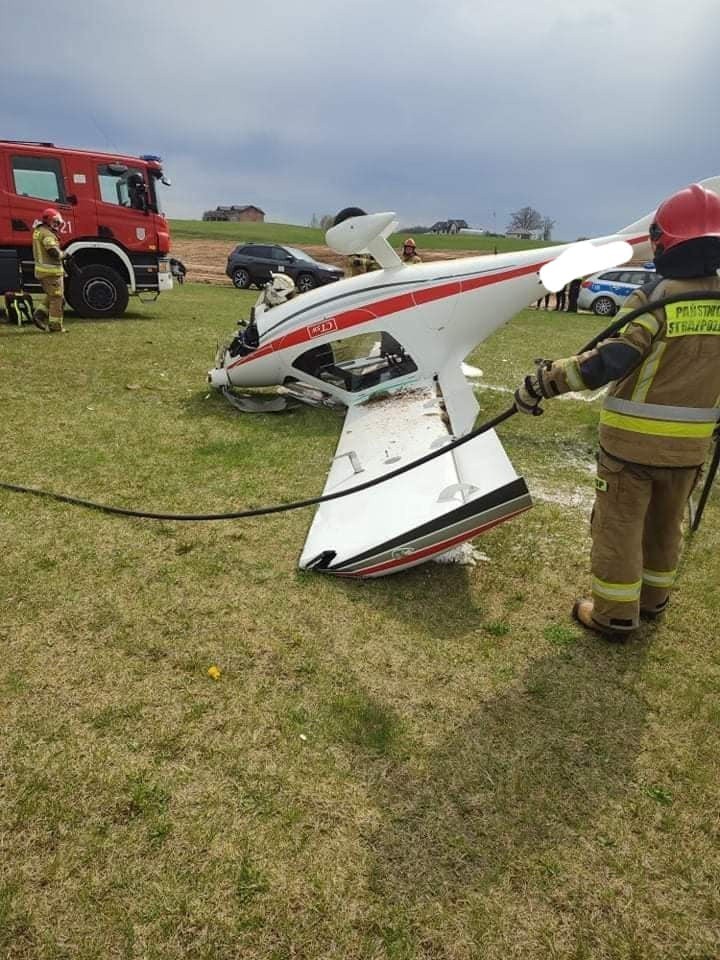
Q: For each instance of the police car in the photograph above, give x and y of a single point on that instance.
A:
(604, 293)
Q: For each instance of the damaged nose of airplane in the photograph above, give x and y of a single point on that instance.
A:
(218, 378)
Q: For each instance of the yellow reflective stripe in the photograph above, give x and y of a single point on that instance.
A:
(693, 317)
(656, 428)
(648, 371)
(649, 322)
(622, 592)
(574, 379)
(659, 578)
(620, 314)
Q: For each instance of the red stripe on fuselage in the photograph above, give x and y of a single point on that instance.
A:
(382, 308)
(395, 304)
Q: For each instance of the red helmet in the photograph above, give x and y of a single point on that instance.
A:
(52, 217)
(687, 215)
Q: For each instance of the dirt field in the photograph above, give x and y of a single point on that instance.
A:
(205, 259)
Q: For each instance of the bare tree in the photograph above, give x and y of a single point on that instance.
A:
(314, 222)
(326, 221)
(547, 228)
(525, 220)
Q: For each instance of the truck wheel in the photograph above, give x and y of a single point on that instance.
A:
(98, 291)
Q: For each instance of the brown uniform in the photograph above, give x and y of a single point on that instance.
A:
(361, 263)
(49, 271)
(656, 426)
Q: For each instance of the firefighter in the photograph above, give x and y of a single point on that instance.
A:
(361, 263)
(409, 252)
(49, 270)
(137, 193)
(657, 420)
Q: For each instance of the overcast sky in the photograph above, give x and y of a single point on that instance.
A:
(590, 112)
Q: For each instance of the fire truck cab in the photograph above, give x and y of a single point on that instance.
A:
(114, 229)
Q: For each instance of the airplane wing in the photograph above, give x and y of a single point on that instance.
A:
(418, 515)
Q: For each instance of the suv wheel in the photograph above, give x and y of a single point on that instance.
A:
(604, 307)
(305, 282)
(241, 278)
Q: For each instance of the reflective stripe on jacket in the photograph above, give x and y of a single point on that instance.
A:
(43, 239)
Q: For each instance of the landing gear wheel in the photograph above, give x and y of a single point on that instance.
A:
(604, 307)
(98, 292)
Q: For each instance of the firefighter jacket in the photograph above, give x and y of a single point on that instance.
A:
(413, 258)
(43, 241)
(362, 263)
(661, 407)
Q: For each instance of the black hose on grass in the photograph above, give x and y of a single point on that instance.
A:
(278, 507)
(311, 501)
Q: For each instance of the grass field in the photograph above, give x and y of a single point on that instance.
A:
(307, 236)
(438, 765)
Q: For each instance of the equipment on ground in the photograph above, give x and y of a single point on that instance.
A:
(19, 308)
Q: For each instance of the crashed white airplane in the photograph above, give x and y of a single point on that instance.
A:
(389, 345)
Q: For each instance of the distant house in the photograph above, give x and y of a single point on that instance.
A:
(245, 211)
(448, 226)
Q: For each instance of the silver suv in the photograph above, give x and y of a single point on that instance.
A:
(604, 293)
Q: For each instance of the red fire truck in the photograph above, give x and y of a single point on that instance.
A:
(114, 230)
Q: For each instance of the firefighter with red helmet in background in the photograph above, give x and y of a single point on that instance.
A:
(48, 258)
(657, 419)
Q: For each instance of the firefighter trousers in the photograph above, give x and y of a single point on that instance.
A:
(636, 538)
(53, 289)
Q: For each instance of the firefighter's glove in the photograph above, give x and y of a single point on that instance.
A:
(528, 397)
(55, 253)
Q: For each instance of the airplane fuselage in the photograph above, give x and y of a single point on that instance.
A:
(437, 311)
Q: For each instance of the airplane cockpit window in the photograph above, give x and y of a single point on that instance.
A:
(357, 363)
